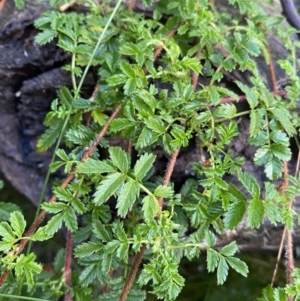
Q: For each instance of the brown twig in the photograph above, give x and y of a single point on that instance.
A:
(2, 3)
(67, 268)
(64, 184)
(131, 4)
(168, 174)
(137, 261)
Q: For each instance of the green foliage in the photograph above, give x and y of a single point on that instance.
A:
(117, 204)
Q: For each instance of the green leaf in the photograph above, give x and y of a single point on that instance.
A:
(120, 124)
(210, 238)
(155, 124)
(45, 37)
(229, 250)
(212, 259)
(108, 187)
(238, 265)
(66, 97)
(5, 246)
(62, 155)
(255, 213)
(281, 151)
(150, 208)
(274, 169)
(100, 231)
(127, 197)
(283, 116)
(251, 96)
(54, 207)
(6, 208)
(40, 235)
(163, 191)
(6, 231)
(27, 265)
(234, 215)
(49, 137)
(143, 165)
(87, 249)
(250, 184)
(119, 158)
(54, 224)
(20, 4)
(91, 166)
(70, 219)
(190, 6)
(63, 194)
(222, 270)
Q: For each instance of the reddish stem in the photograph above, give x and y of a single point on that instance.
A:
(67, 268)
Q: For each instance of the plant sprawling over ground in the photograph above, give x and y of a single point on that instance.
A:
(161, 85)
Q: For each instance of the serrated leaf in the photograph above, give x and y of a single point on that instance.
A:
(281, 152)
(108, 187)
(6, 231)
(229, 250)
(62, 155)
(127, 69)
(274, 169)
(54, 224)
(45, 37)
(214, 96)
(210, 238)
(122, 251)
(26, 264)
(65, 97)
(145, 137)
(117, 79)
(256, 122)
(255, 213)
(119, 124)
(5, 246)
(238, 265)
(91, 166)
(250, 184)
(150, 208)
(190, 6)
(222, 271)
(119, 158)
(284, 119)
(78, 206)
(163, 191)
(250, 95)
(54, 207)
(63, 194)
(143, 165)
(155, 124)
(40, 235)
(100, 231)
(87, 249)
(127, 197)
(49, 136)
(234, 214)
(111, 246)
(6, 208)
(70, 219)
(212, 259)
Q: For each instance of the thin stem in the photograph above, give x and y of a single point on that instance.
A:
(67, 268)
(132, 273)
